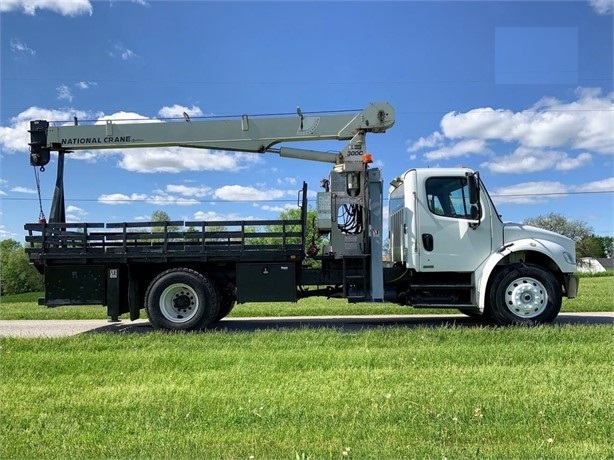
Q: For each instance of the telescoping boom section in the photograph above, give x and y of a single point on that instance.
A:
(246, 133)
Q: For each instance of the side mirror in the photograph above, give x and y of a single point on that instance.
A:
(473, 184)
(475, 212)
(474, 188)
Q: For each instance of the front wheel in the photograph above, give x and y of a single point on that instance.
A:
(524, 294)
(181, 299)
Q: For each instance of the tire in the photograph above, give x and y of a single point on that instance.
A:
(524, 294)
(181, 299)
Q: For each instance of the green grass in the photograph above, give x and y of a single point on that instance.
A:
(543, 392)
(596, 294)
(446, 392)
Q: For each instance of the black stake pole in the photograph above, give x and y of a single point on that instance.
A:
(58, 207)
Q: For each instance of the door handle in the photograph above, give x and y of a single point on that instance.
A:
(427, 241)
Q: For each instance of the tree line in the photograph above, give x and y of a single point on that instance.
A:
(18, 276)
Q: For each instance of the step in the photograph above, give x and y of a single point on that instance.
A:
(442, 286)
(443, 305)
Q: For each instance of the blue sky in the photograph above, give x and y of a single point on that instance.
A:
(521, 91)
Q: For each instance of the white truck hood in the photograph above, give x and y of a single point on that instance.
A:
(514, 232)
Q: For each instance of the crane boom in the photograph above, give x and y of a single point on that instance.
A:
(244, 134)
(247, 134)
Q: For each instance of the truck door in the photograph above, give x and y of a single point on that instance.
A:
(454, 235)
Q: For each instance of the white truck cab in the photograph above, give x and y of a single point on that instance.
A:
(443, 224)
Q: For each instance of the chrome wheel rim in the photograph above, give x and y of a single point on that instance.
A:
(179, 303)
(526, 297)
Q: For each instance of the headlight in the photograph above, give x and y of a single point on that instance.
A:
(569, 258)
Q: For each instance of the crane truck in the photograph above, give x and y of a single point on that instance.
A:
(448, 247)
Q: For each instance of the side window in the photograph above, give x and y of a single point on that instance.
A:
(435, 205)
(397, 200)
(449, 197)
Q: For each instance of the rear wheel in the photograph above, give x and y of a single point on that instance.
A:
(181, 299)
(524, 294)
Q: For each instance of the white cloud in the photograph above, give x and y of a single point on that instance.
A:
(159, 198)
(602, 6)
(64, 93)
(5, 234)
(286, 180)
(177, 111)
(462, 148)
(526, 160)
(178, 159)
(128, 54)
(529, 192)
(436, 139)
(582, 124)
(120, 51)
(604, 185)
(249, 157)
(20, 48)
(75, 214)
(542, 191)
(568, 163)
(125, 117)
(278, 209)
(189, 191)
(550, 125)
(63, 7)
(242, 193)
(210, 216)
(85, 155)
(86, 84)
(139, 2)
(23, 190)
(168, 200)
(120, 198)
